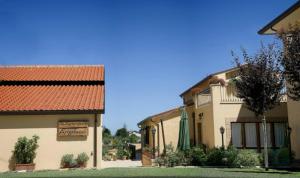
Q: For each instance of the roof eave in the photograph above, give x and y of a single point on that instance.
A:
(201, 81)
(52, 112)
(158, 115)
(206, 78)
(279, 18)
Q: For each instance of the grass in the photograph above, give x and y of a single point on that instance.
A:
(157, 172)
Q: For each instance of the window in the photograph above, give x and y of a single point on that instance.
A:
(236, 132)
(279, 133)
(250, 134)
(269, 138)
(147, 135)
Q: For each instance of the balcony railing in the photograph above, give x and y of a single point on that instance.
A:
(228, 95)
(202, 99)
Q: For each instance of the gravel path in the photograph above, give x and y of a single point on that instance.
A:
(121, 163)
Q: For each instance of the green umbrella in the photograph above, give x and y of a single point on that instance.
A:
(184, 134)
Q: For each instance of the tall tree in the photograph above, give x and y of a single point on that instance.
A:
(260, 84)
(133, 138)
(122, 132)
(106, 132)
(291, 60)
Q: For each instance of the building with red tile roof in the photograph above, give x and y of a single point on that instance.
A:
(62, 104)
(52, 88)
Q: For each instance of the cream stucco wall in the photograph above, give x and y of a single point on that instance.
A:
(207, 125)
(294, 123)
(171, 131)
(217, 113)
(224, 113)
(207, 121)
(285, 23)
(51, 148)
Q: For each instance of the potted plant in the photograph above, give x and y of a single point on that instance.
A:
(149, 151)
(68, 161)
(147, 155)
(121, 154)
(82, 160)
(25, 152)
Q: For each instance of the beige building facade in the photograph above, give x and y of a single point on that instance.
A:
(289, 17)
(62, 105)
(166, 126)
(51, 146)
(212, 104)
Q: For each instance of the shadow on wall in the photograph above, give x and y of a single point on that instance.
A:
(11, 163)
(37, 121)
(71, 138)
(277, 114)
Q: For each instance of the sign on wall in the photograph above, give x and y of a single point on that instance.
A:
(73, 128)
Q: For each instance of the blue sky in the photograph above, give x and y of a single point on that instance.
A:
(152, 50)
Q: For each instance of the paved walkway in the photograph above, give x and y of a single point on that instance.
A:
(121, 163)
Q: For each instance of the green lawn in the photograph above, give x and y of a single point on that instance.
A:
(159, 172)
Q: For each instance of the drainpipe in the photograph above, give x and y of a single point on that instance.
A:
(95, 140)
(163, 135)
(158, 143)
(194, 127)
(274, 30)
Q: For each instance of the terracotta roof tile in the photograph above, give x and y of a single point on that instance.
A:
(52, 73)
(51, 88)
(51, 98)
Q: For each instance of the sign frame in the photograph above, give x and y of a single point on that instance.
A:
(73, 128)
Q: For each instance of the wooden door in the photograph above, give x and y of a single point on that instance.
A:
(199, 132)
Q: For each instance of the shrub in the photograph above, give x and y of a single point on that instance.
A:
(25, 150)
(123, 153)
(160, 161)
(106, 158)
(169, 148)
(198, 156)
(82, 159)
(105, 150)
(230, 156)
(278, 156)
(271, 157)
(247, 158)
(68, 161)
(185, 157)
(215, 157)
(171, 158)
(283, 156)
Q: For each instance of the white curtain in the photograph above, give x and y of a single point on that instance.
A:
(236, 134)
(250, 133)
(279, 133)
(268, 135)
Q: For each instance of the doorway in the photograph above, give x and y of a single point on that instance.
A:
(199, 129)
